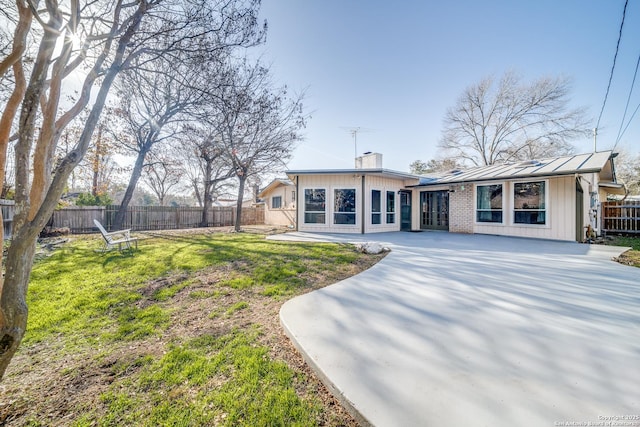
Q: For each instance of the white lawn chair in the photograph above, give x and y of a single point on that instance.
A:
(113, 238)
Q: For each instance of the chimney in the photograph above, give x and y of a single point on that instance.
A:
(369, 160)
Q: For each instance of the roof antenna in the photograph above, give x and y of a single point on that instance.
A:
(354, 134)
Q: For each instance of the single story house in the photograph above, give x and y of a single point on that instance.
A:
(279, 199)
(552, 198)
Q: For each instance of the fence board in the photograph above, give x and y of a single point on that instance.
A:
(79, 219)
(622, 217)
(8, 209)
(142, 218)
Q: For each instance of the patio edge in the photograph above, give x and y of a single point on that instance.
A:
(333, 389)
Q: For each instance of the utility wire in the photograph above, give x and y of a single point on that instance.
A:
(633, 82)
(624, 12)
(628, 123)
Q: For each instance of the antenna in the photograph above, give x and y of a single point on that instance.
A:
(354, 134)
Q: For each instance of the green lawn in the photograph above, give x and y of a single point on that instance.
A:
(182, 332)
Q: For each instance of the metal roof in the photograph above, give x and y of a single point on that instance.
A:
(566, 165)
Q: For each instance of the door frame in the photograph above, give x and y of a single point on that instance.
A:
(580, 234)
(405, 209)
(435, 211)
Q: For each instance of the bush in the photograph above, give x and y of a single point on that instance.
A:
(88, 199)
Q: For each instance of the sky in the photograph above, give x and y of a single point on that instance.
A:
(393, 68)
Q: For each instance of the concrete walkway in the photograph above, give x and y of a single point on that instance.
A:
(471, 330)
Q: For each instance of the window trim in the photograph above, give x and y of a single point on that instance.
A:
(390, 213)
(505, 189)
(379, 211)
(512, 207)
(304, 206)
(335, 212)
(273, 199)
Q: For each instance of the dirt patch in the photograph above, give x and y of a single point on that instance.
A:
(45, 385)
(630, 257)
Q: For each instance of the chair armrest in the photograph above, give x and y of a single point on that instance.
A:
(125, 232)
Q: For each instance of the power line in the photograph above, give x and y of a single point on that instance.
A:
(621, 131)
(624, 12)
(628, 123)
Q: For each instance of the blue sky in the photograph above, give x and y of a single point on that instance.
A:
(393, 68)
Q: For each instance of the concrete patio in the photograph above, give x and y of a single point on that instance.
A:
(461, 330)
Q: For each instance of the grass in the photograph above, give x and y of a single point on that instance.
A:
(255, 390)
(172, 334)
(631, 257)
(77, 291)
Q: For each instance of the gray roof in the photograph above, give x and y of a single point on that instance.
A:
(383, 172)
(567, 165)
(273, 184)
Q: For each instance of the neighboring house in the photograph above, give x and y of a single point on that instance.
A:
(280, 203)
(551, 198)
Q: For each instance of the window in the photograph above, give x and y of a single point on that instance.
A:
(276, 202)
(344, 211)
(376, 203)
(489, 203)
(529, 203)
(314, 206)
(391, 207)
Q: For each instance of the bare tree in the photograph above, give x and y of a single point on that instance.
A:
(97, 170)
(510, 120)
(162, 174)
(190, 167)
(105, 37)
(257, 124)
(158, 99)
(628, 171)
(153, 104)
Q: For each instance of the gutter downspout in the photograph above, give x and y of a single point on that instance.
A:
(297, 204)
(362, 216)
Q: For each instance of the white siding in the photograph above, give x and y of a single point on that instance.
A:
(383, 184)
(345, 181)
(560, 206)
(560, 213)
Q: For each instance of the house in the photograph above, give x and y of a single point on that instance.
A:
(551, 198)
(279, 203)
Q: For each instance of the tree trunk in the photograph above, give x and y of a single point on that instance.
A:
(13, 300)
(19, 261)
(206, 206)
(96, 163)
(128, 195)
(196, 190)
(238, 223)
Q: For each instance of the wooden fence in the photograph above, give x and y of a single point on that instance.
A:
(621, 217)
(142, 218)
(8, 207)
(79, 219)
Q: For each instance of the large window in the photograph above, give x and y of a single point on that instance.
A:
(376, 204)
(314, 206)
(529, 202)
(489, 203)
(276, 202)
(391, 207)
(344, 210)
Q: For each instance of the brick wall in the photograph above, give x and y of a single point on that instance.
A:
(461, 211)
